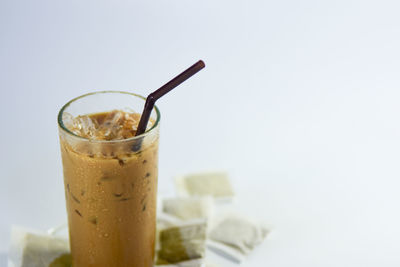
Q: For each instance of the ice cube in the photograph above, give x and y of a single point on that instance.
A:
(113, 125)
(86, 126)
(68, 120)
(80, 125)
(119, 125)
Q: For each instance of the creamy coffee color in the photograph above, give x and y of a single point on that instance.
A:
(111, 192)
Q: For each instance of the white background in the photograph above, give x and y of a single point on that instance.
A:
(299, 102)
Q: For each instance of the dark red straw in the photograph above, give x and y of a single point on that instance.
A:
(153, 97)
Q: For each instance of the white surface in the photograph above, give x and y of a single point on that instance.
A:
(306, 97)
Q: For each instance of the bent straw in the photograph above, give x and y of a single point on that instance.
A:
(153, 97)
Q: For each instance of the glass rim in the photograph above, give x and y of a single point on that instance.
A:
(65, 129)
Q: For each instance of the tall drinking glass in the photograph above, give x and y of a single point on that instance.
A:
(110, 186)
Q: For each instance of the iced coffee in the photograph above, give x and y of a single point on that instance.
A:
(110, 179)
